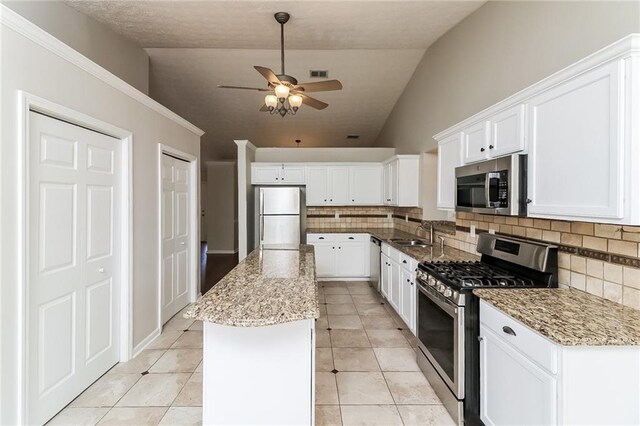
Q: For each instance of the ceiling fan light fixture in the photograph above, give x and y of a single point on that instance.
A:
(271, 101)
(282, 92)
(295, 101)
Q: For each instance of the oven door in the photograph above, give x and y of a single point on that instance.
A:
(440, 331)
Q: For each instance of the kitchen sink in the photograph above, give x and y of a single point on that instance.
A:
(410, 242)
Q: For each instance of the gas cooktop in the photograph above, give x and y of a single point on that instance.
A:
(476, 275)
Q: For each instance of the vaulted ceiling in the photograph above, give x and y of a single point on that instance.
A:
(372, 47)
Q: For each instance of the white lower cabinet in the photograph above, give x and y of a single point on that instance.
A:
(394, 288)
(341, 255)
(385, 275)
(526, 379)
(398, 278)
(408, 298)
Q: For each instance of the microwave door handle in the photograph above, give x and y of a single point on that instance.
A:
(487, 190)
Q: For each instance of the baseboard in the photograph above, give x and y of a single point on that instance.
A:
(343, 279)
(146, 342)
(222, 251)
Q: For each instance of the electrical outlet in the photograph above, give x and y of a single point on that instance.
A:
(472, 231)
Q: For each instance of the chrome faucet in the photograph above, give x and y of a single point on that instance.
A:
(420, 226)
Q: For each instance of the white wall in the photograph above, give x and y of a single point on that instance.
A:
(323, 154)
(246, 155)
(93, 39)
(28, 66)
(221, 212)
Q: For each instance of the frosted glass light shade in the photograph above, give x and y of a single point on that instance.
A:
(271, 101)
(282, 91)
(295, 101)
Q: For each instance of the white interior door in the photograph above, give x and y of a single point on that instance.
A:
(176, 239)
(74, 262)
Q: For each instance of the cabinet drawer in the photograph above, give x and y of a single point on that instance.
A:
(408, 263)
(320, 238)
(359, 238)
(527, 341)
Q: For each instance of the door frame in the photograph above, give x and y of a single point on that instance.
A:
(27, 103)
(194, 224)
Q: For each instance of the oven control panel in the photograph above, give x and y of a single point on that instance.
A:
(432, 284)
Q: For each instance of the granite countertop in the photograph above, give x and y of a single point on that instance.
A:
(421, 254)
(568, 317)
(272, 285)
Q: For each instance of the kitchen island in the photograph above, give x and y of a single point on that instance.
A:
(259, 339)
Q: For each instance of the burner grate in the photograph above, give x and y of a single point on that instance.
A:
(476, 275)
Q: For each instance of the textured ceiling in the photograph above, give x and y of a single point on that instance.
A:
(372, 47)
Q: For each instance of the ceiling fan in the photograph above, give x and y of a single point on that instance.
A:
(287, 95)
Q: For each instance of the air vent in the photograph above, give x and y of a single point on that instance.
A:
(319, 74)
(353, 136)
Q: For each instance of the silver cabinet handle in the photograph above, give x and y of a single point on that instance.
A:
(508, 330)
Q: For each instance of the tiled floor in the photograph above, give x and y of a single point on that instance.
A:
(366, 373)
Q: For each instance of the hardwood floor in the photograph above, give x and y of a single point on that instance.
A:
(216, 266)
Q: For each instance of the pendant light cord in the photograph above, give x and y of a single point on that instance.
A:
(282, 47)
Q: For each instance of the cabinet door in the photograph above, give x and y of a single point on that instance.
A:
(339, 185)
(350, 260)
(386, 184)
(385, 275)
(505, 372)
(475, 142)
(365, 185)
(394, 285)
(507, 132)
(265, 174)
(576, 147)
(317, 186)
(393, 182)
(407, 298)
(325, 259)
(292, 175)
(449, 157)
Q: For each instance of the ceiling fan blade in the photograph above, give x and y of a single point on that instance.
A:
(268, 74)
(320, 86)
(313, 103)
(264, 108)
(244, 88)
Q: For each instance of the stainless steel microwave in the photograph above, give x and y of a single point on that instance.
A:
(497, 186)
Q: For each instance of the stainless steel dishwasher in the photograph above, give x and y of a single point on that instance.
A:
(374, 263)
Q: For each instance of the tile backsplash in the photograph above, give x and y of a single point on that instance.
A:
(601, 259)
(349, 217)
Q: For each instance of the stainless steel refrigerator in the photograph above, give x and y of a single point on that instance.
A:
(280, 215)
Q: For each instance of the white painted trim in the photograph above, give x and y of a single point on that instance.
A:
(146, 342)
(29, 102)
(222, 251)
(195, 223)
(343, 279)
(22, 26)
(623, 48)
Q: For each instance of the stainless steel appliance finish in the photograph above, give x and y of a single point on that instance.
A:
(374, 257)
(497, 186)
(448, 313)
(280, 216)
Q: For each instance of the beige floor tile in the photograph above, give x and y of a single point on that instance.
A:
(355, 359)
(387, 339)
(74, 416)
(178, 323)
(345, 322)
(396, 359)
(342, 309)
(166, 339)
(107, 390)
(366, 298)
(425, 415)
(199, 368)
(328, 415)
(157, 390)
(324, 359)
(140, 363)
(326, 391)
(336, 290)
(189, 339)
(322, 323)
(363, 388)
(378, 322)
(196, 326)
(365, 290)
(322, 339)
(323, 310)
(120, 416)
(410, 388)
(191, 393)
(351, 284)
(322, 298)
(178, 361)
(370, 415)
(349, 339)
(333, 299)
(370, 309)
(182, 416)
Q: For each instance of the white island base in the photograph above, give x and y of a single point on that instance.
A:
(259, 375)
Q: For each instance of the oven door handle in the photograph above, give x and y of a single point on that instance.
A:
(446, 306)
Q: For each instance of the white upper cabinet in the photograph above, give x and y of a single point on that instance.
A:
(401, 178)
(365, 185)
(339, 185)
(277, 174)
(507, 131)
(475, 142)
(577, 147)
(449, 157)
(292, 175)
(265, 174)
(317, 186)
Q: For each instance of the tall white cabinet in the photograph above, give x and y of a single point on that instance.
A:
(398, 283)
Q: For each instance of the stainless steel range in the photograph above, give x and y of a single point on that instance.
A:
(447, 313)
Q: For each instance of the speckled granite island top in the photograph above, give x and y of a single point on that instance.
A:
(421, 254)
(270, 286)
(568, 317)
